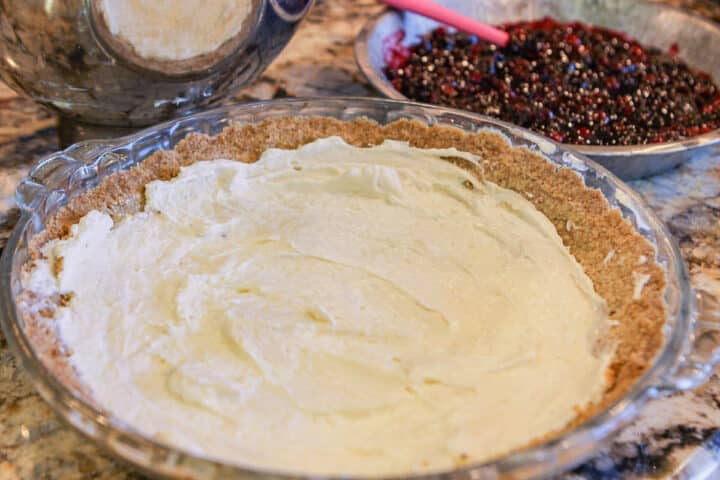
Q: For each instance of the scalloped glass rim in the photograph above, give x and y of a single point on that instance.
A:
(56, 178)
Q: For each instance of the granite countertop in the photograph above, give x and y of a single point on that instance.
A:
(677, 436)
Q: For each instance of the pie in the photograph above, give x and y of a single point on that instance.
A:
(344, 298)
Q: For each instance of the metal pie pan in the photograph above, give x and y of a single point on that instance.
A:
(652, 23)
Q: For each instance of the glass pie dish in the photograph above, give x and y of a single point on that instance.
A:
(690, 350)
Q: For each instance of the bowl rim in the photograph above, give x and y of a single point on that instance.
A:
(378, 81)
(121, 439)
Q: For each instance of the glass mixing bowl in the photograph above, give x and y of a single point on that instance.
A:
(63, 54)
(686, 359)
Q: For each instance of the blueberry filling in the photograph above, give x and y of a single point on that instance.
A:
(572, 82)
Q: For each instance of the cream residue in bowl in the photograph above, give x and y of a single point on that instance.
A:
(174, 29)
(331, 310)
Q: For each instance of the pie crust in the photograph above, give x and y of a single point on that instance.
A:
(608, 248)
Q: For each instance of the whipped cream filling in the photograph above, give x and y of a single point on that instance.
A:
(331, 310)
(174, 29)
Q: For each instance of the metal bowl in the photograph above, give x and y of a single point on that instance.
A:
(690, 350)
(652, 23)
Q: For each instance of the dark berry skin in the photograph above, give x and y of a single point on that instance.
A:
(572, 82)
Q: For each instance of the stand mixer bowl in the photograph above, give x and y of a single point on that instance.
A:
(107, 67)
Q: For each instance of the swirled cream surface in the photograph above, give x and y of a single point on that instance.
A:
(331, 309)
(174, 29)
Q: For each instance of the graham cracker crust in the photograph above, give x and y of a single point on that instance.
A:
(606, 246)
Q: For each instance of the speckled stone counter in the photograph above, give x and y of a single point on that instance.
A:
(677, 436)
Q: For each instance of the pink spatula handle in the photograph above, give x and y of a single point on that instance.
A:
(442, 14)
